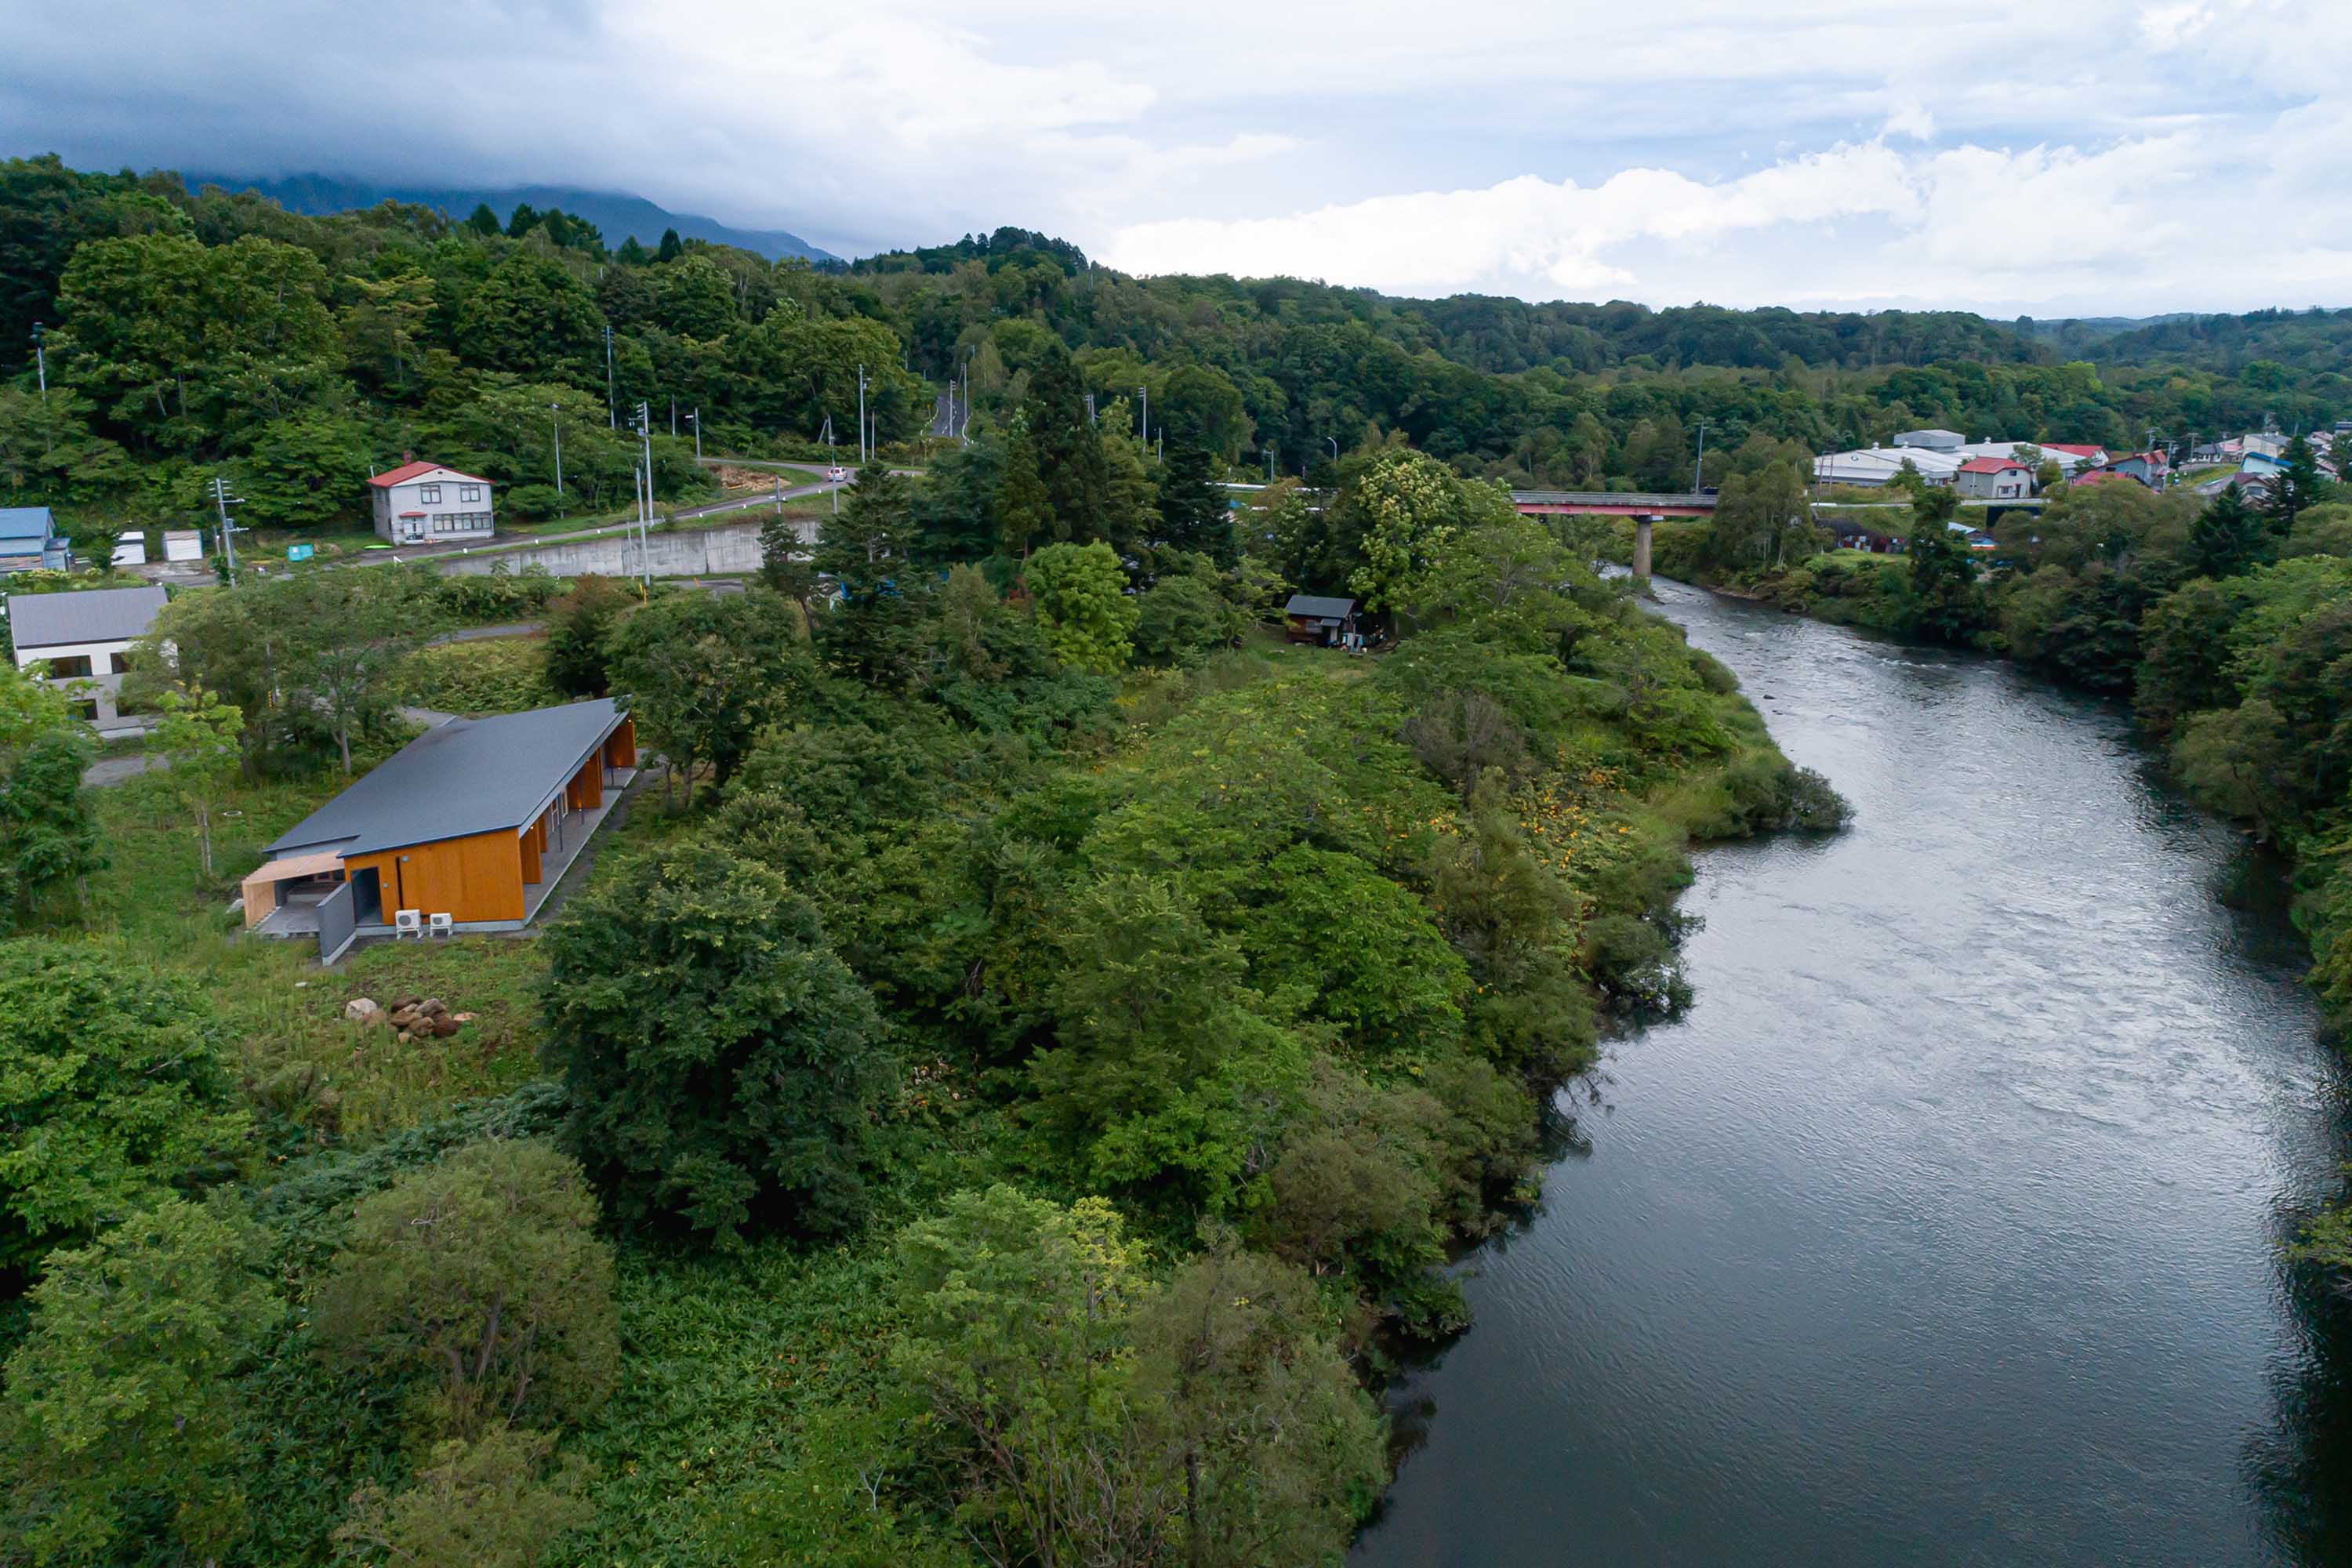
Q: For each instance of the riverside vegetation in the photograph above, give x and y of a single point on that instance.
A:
(1003, 1111)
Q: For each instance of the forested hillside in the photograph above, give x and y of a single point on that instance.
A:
(186, 335)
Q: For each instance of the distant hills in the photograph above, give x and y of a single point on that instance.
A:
(617, 217)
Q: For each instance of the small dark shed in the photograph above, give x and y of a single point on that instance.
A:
(1314, 619)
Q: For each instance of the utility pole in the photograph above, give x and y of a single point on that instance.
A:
(555, 422)
(611, 409)
(223, 501)
(1335, 447)
(693, 417)
(1699, 466)
(861, 416)
(1143, 424)
(41, 360)
(966, 429)
(1091, 408)
(673, 418)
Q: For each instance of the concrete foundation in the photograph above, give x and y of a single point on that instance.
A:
(1641, 549)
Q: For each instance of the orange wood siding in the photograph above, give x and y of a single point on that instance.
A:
(529, 843)
(586, 789)
(478, 878)
(621, 746)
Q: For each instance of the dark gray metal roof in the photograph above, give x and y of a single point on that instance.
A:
(93, 614)
(471, 775)
(1319, 608)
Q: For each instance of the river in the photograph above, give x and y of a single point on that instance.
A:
(1944, 1228)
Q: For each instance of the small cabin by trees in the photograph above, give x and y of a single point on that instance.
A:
(1312, 618)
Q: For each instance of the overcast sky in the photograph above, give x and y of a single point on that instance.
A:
(2061, 157)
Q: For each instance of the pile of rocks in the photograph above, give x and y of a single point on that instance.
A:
(411, 1018)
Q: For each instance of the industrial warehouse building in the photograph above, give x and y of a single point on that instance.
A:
(476, 820)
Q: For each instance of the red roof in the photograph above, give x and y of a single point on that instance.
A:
(2071, 450)
(2097, 475)
(1989, 465)
(407, 472)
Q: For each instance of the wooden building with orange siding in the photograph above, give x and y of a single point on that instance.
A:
(476, 820)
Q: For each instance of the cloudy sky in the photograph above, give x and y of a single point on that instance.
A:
(2060, 157)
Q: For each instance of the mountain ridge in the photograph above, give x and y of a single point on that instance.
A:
(617, 216)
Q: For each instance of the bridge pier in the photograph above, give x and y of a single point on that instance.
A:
(1641, 549)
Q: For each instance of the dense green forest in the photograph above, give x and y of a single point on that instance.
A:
(190, 333)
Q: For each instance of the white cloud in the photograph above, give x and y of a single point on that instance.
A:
(1574, 146)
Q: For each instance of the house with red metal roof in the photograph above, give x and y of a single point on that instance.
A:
(1993, 479)
(2089, 457)
(424, 504)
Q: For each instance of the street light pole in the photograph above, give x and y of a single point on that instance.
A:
(611, 409)
(555, 422)
(1143, 426)
(861, 416)
(1335, 447)
(693, 417)
(41, 360)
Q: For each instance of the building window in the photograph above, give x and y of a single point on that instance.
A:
(69, 668)
(86, 709)
(429, 494)
(470, 492)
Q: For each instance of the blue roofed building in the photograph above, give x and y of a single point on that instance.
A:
(28, 539)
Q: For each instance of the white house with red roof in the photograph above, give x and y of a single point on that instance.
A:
(2084, 457)
(1993, 479)
(424, 504)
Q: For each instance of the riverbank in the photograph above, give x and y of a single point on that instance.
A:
(1946, 1224)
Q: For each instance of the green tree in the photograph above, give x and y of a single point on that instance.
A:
(2229, 537)
(114, 1090)
(2296, 485)
(1012, 1360)
(578, 629)
(1192, 514)
(48, 836)
(120, 1420)
(532, 317)
(482, 220)
(696, 298)
(197, 736)
(1069, 453)
(302, 472)
(484, 1274)
(703, 672)
(1081, 596)
(1945, 604)
(726, 1070)
(869, 551)
(1182, 619)
(1023, 509)
(1279, 1454)
(491, 1502)
(337, 642)
(671, 246)
(1406, 505)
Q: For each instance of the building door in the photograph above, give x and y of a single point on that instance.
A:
(367, 897)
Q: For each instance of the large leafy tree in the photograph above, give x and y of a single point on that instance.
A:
(532, 317)
(726, 1070)
(1404, 505)
(2229, 537)
(1945, 603)
(703, 672)
(495, 1501)
(484, 1274)
(122, 1408)
(871, 551)
(114, 1091)
(197, 736)
(48, 836)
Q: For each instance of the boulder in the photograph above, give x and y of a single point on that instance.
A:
(431, 1007)
(362, 1010)
(444, 1027)
(403, 1016)
(463, 1017)
(403, 1037)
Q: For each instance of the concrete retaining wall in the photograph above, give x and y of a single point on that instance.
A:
(730, 552)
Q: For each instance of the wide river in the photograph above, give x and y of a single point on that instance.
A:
(1945, 1228)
